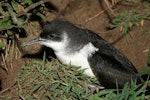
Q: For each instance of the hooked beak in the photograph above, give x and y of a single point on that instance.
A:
(35, 41)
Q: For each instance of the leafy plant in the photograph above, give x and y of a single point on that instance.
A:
(52, 80)
(127, 20)
(129, 92)
(16, 14)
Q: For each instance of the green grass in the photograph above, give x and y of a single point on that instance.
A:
(54, 81)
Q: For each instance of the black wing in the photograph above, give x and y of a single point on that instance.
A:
(109, 65)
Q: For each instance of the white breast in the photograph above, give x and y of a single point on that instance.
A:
(79, 58)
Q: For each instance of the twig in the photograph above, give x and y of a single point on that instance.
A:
(4, 62)
(91, 18)
(7, 49)
(16, 53)
(10, 10)
(11, 66)
(111, 11)
(4, 90)
(19, 53)
(12, 55)
(20, 90)
(32, 7)
(96, 15)
(64, 9)
(99, 13)
(144, 51)
(118, 39)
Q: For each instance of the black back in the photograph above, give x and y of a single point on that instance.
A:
(109, 65)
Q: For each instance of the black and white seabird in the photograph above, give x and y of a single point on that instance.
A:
(82, 47)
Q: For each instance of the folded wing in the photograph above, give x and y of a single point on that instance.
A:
(109, 65)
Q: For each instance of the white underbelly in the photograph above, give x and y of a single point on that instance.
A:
(77, 60)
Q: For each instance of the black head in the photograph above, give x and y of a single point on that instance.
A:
(55, 30)
(60, 34)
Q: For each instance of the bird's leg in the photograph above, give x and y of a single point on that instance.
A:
(94, 89)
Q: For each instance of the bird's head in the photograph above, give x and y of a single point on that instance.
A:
(53, 35)
(59, 35)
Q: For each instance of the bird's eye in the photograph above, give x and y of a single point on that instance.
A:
(51, 36)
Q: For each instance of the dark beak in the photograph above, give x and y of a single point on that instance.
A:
(35, 41)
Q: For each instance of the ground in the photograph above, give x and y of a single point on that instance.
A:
(79, 13)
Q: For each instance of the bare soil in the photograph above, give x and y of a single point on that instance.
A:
(78, 12)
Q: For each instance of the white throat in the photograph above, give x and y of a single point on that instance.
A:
(78, 58)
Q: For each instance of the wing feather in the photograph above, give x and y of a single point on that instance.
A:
(109, 64)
